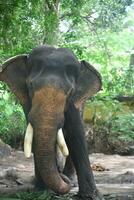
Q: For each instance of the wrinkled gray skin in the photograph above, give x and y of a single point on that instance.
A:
(52, 86)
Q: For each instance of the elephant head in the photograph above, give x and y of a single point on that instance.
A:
(46, 81)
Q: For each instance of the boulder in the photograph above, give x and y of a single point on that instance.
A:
(5, 149)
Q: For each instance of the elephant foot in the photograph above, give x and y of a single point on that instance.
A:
(95, 196)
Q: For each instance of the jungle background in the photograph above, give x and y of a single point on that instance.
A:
(98, 31)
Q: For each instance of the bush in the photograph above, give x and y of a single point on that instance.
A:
(116, 117)
(12, 120)
(123, 127)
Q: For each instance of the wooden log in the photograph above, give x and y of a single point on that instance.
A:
(124, 98)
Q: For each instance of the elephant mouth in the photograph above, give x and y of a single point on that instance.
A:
(45, 132)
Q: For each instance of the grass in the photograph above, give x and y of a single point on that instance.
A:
(42, 196)
(4, 198)
(38, 196)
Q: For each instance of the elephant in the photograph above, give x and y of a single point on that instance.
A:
(52, 86)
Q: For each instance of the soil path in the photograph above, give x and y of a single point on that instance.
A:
(114, 175)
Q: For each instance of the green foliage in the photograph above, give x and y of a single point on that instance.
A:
(35, 196)
(117, 117)
(12, 121)
(123, 127)
(43, 196)
(26, 24)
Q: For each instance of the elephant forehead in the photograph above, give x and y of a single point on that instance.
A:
(50, 98)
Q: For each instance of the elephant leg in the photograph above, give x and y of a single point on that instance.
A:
(69, 169)
(77, 148)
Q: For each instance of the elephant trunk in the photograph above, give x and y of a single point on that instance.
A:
(47, 117)
(45, 157)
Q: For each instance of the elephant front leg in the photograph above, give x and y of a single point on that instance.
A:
(77, 147)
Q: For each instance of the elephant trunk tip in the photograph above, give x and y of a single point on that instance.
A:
(57, 183)
(63, 188)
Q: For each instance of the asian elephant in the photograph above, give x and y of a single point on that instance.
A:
(52, 85)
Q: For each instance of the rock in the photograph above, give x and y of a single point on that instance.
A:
(11, 173)
(5, 149)
(99, 140)
(98, 167)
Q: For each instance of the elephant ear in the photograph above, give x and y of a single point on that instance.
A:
(89, 83)
(13, 72)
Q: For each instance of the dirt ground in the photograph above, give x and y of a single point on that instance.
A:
(114, 175)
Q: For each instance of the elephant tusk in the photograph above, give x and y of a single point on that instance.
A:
(28, 141)
(61, 143)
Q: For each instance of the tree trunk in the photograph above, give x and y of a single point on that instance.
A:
(51, 22)
(129, 84)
